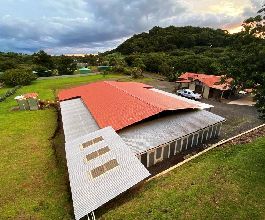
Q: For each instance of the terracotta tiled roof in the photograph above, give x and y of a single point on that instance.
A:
(210, 80)
(120, 104)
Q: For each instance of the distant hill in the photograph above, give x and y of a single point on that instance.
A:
(171, 38)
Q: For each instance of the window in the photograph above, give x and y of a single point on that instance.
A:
(190, 138)
(178, 146)
(144, 159)
(151, 159)
(158, 153)
(104, 168)
(184, 144)
(165, 151)
(91, 142)
(97, 153)
(172, 148)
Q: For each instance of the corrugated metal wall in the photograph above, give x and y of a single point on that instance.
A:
(165, 151)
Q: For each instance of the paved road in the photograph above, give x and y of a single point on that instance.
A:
(68, 76)
(244, 100)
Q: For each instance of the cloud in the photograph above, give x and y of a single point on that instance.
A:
(88, 26)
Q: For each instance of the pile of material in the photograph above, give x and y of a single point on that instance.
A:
(28, 101)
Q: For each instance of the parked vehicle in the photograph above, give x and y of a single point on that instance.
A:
(189, 94)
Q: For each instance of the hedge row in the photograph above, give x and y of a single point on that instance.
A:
(9, 93)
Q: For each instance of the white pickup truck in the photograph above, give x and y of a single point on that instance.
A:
(189, 94)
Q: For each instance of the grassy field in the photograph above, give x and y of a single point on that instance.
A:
(226, 183)
(32, 185)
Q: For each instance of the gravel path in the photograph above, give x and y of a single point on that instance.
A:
(239, 118)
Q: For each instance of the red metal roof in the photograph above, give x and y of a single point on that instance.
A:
(210, 80)
(120, 104)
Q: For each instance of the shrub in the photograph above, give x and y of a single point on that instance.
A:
(136, 72)
(42, 71)
(9, 93)
(118, 69)
(14, 77)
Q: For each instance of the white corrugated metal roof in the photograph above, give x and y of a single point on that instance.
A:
(89, 193)
(201, 104)
(77, 120)
(150, 134)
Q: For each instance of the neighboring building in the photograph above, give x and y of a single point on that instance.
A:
(210, 86)
(84, 70)
(151, 124)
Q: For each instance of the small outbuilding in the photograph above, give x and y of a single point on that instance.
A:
(84, 70)
(28, 101)
(103, 68)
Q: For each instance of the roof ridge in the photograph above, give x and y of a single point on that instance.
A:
(109, 83)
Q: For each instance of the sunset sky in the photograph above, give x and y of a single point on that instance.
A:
(91, 26)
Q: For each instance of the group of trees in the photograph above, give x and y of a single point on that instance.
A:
(21, 69)
(47, 65)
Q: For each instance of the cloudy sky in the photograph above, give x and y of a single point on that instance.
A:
(91, 26)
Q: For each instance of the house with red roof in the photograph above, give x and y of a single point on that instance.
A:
(210, 86)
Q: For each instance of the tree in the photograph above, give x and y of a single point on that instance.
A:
(66, 65)
(256, 25)
(43, 59)
(115, 59)
(139, 67)
(7, 64)
(246, 64)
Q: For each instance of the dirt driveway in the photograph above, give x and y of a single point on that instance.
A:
(243, 100)
(239, 118)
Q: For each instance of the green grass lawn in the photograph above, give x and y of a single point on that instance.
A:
(32, 184)
(226, 183)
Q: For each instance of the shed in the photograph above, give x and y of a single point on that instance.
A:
(84, 70)
(103, 68)
(28, 101)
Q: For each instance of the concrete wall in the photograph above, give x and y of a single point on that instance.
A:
(192, 86)
(167, 150)
(206, 91)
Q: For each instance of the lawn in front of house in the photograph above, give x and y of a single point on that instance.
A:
(226, 183)
(32, 183)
